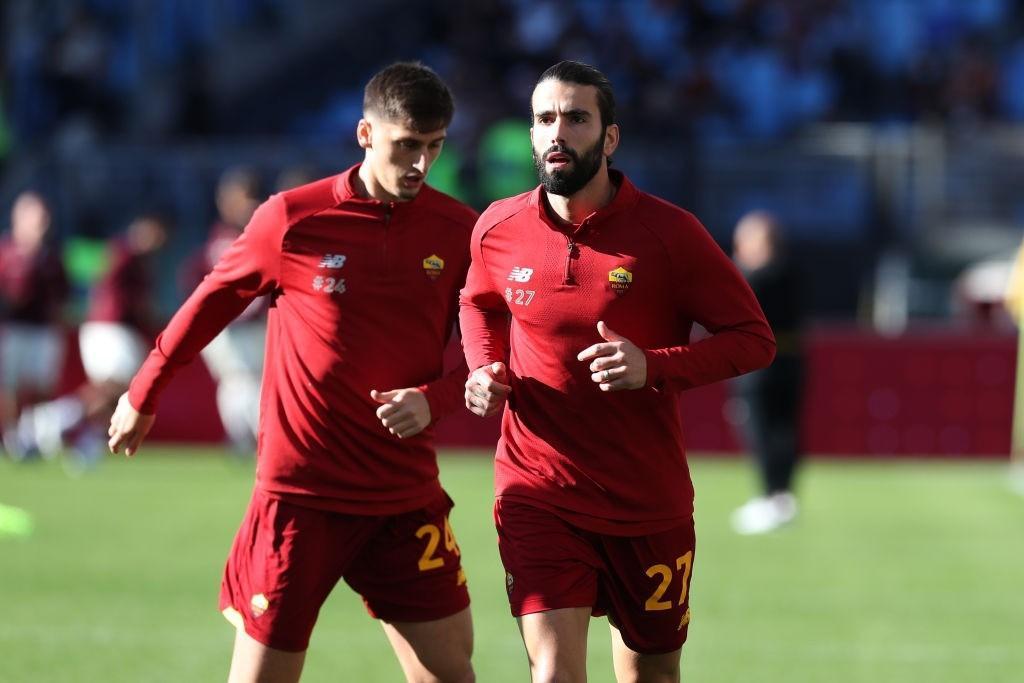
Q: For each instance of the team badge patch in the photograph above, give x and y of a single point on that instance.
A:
(508, 582)
(620, 280)
(258, 604)
(433, 265)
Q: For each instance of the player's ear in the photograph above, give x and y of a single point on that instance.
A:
(611, 139)
(364, 134)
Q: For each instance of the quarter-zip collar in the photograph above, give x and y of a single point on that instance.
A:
(345, 191)
(625, 198)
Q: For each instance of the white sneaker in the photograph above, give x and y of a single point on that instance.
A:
(41, 428)
(764, 514)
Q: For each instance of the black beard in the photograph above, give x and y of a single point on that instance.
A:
(568, 183)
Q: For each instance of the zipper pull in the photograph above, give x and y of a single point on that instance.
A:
(568, 277)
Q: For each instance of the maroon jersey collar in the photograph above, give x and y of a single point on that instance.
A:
(624, 199)
(345, 191)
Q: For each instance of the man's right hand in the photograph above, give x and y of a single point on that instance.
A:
(487, 389)
(128, 427)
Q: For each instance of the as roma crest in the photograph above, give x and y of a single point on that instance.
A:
(620, 280)
(433, 266)
(259, 604)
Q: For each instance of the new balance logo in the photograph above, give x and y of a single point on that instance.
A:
(520, 274)
(333, 261)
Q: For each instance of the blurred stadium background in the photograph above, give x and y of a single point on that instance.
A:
(888, 137)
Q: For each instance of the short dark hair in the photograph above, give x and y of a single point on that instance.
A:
(411, 93)
(569, 71)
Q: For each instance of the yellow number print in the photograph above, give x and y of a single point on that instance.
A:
(428, 561)
(655, 603)
(450, 544)
(684, 564)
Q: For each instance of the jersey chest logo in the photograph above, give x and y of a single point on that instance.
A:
(332, 261)
(433, 266)
(520, 274)
(620, 280)
(330, 285)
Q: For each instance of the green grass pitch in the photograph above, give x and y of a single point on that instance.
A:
(898, 571)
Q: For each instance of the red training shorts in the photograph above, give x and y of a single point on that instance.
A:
(641, 582)
(286, 559)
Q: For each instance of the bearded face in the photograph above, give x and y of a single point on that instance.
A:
(569, 138)
(565, 171)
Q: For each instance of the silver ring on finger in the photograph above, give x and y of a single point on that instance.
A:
(606, 374)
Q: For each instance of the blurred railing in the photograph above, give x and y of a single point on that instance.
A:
(848, 195)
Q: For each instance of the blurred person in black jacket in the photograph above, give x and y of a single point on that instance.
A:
(766, 404)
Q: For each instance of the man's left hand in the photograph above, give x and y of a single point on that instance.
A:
(404, 412)
(617, 363)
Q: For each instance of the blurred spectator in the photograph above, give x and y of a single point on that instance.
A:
(294, 176)
(113, 342)
(767, 402)
(235, 356)
(980, 291)
(79, 65)
(973, 83)
(33, 290)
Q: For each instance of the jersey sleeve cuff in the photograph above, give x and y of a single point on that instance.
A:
(436, 401)
(432, 403)
(142, 400)
(655, 368)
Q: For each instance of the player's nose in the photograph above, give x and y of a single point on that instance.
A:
(422, 163)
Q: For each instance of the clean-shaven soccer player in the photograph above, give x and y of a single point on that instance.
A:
(363, 271)
(603, 282)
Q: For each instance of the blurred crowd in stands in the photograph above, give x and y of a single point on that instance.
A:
(715, 69)
(81, 77)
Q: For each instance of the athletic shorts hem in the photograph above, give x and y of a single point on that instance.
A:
(544, 604)
(235, 618)
(414, 616)
(649, 650)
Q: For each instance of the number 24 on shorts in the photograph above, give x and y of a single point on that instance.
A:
(433, 535)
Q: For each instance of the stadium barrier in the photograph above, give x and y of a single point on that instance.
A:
(928, 392)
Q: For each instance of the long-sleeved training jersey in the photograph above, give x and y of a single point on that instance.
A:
(612, 462)
(363, 296)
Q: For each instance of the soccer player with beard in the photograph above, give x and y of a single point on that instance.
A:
(363, 271)
(603, 282)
